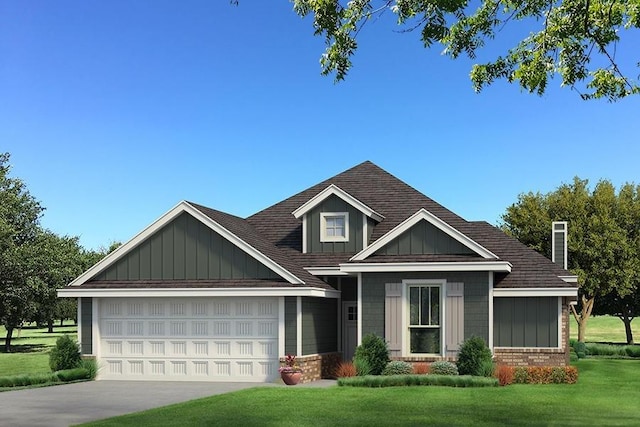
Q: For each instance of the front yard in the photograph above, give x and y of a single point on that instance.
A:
(606, 394)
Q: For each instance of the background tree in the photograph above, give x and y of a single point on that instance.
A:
(625, 308)
(603, 242)
(575, 39)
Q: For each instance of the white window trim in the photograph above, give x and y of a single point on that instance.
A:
(323, 227)
(406, 346)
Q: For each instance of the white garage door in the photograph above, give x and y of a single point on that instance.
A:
(193, 339)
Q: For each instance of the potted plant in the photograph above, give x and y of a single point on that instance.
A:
(290, 372)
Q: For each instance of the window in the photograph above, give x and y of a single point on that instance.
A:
(334, 227)
(424, 319)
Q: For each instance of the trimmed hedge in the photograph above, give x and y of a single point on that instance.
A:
(418, 380)
(537, 375)
(63, 376)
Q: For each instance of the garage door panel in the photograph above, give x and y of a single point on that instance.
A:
(211, 339)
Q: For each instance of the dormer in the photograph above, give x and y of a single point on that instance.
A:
(334, 221)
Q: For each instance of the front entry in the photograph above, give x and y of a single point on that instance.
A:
(350, 329)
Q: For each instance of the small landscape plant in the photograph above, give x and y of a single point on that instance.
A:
(581, 349)
(504, 374)
(443, 367)
(345, 369)
(473, 354)
(397, 367)
(487, 369)
(542, 375)
(418, 380)
(421, 368)
(65, 354)
(362, 366)
(375, 351)
(290, 364)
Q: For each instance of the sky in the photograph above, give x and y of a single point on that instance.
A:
(113, 112)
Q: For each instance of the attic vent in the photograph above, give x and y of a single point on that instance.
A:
(559, 243)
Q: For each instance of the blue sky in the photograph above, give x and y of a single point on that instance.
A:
(115, 111)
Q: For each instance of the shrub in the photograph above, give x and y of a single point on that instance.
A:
(362, 366)
(504, 374)
(632, 351)
(595, 349)
(572, 374)
(72, 374)
(91, 365)
(65, 355)
(397, 367)
(487, 369)
(417, 380)
(345, 369)
(581, 349)
(558, 375)
(443, 368)
(421, 368)
(473, 353)
(539, 374)
(375, 351)
(520, 375)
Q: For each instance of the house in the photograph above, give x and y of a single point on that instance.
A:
(204, 295)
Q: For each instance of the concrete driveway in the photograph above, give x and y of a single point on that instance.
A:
(68, 404)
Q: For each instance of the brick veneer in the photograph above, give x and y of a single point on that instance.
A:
(317, 366)
(539, 356)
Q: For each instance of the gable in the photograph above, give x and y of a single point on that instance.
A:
(424, 238)
(334, 204)
(185, 249)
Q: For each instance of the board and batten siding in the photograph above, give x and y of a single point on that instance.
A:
(290, 325)
(319, 325)
(86, 323)
(525, 322)
(186, 249)
(424, 239)
(476, 299)
(356, 228)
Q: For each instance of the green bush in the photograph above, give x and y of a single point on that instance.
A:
(487, 369)
(91, 365)
(73, 374)
(596, 349)
(417, 380)
(65, 355)
(520, 375)
(558, 375)
(581, 349)
(632, 351)
(473, 354)
(443, 368)
(362, 366)
(374, 350)
(398, 367)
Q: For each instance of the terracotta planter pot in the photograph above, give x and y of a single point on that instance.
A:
(291, 378)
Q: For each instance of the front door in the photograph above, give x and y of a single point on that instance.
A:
(350, 329)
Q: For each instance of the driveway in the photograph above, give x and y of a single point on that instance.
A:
(68, 404)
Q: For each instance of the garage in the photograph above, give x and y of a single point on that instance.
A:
(191, 339)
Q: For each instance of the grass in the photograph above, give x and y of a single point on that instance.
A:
(606, 329)
(606, 394)
(30, 350)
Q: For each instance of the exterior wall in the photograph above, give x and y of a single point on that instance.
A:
(86, 322)
(476, 299)
(525, 322)
(424, 238)
(186, 249)
(290, 325)
(539, 356)
(317, 366)
(356, 228)
(319, 325)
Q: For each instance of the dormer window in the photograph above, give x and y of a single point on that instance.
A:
(334, 227)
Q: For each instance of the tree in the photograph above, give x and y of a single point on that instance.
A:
(576, 39)
(19, 224)
(625, 308)
(603, 239)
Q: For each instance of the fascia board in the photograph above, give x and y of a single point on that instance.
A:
(424, 214)
(334, 190)
(76, 292)
(495, 266)
(325, 271)
(535, 292)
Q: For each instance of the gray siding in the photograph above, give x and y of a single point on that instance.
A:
(186, 249)
(476, 299)
(525, 322)
(356, 228)
(319, 325)
(86, 321)
(290, 325)
(424, 239)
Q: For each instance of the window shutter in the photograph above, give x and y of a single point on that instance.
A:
(393, 318)
(454, 322)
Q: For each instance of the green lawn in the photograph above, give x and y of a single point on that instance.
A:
(606, 394)
(30, 349)
(606, 329)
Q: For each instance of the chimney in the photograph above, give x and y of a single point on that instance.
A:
(559, 243)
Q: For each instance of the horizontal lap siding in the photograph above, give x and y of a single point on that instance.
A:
(526, 322)
(186, 249)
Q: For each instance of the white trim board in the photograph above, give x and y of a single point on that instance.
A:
(334, 190)
(380, 267)
(199, 292)
(325, 271)
(425, 215)
(181, 207)
(535, 292)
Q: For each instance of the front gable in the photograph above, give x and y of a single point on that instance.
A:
(185, 249)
